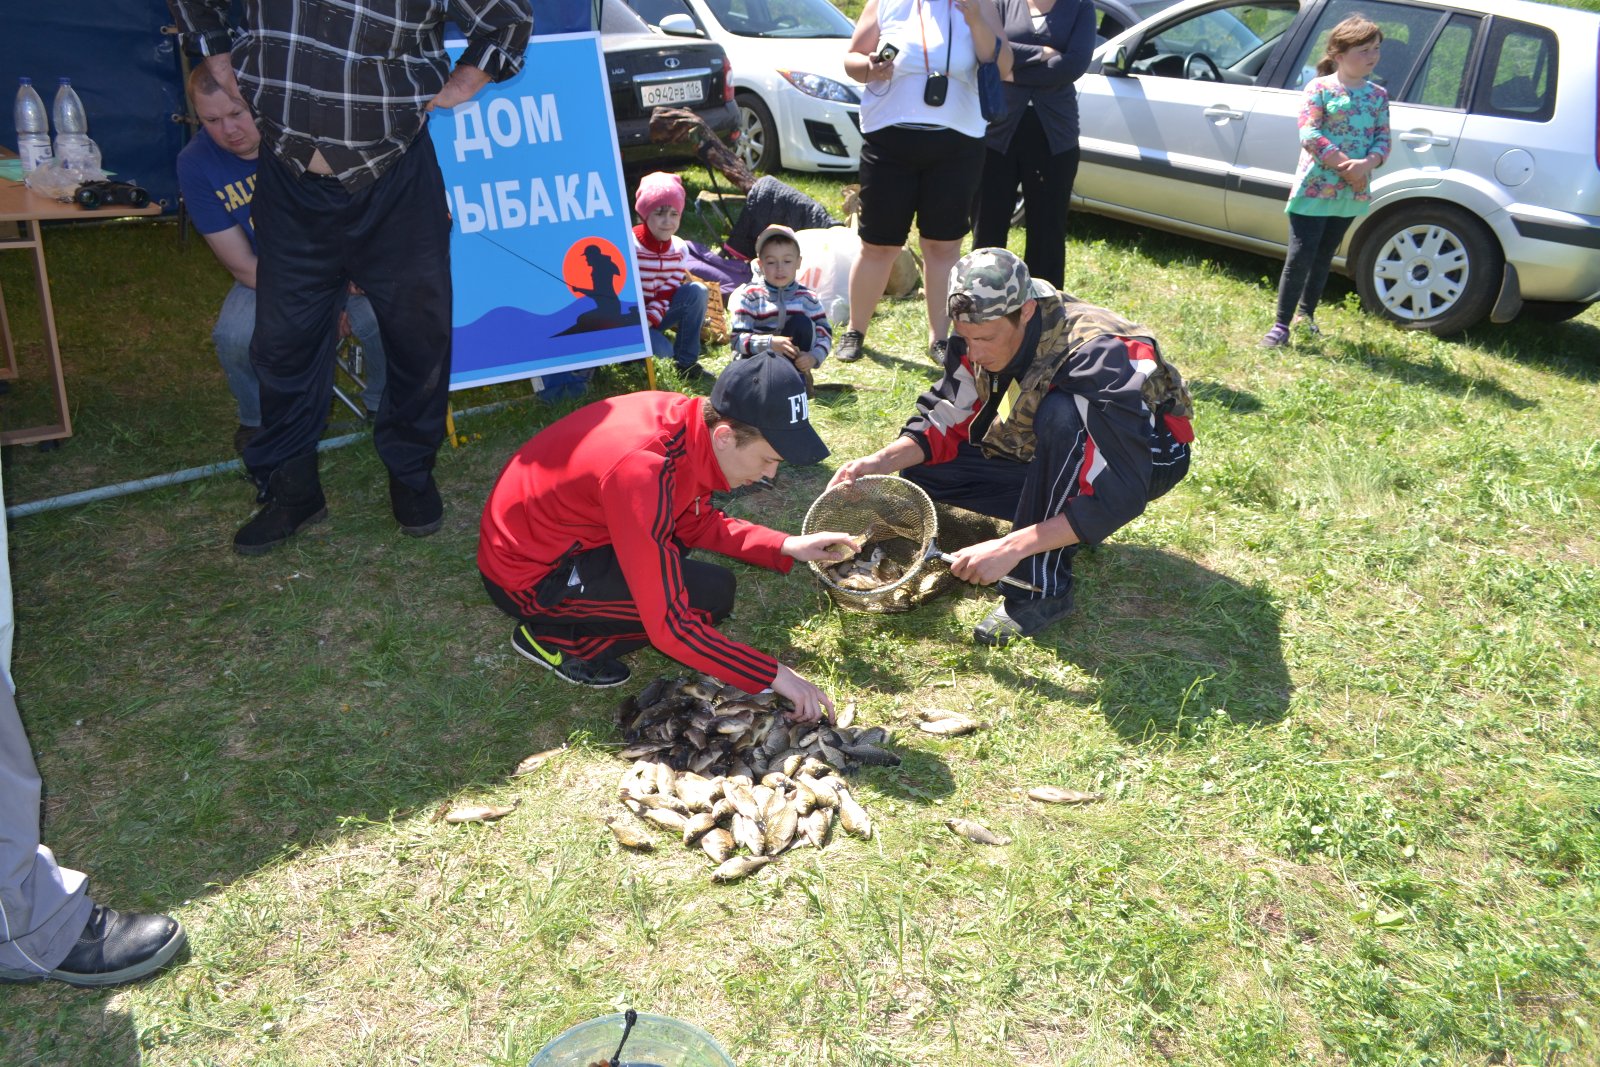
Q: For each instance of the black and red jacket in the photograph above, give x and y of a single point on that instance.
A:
(635, 472)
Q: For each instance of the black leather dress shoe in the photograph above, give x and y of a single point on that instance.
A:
(115, 948)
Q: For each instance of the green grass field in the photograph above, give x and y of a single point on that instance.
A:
(1339, 689)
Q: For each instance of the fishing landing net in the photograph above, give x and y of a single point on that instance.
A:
(894, 517)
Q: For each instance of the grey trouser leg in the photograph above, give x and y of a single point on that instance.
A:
(42, 906)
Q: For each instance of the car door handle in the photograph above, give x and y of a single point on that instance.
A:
(1222, 113)
(1424, 138)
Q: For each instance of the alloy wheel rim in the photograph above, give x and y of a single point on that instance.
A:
(752, 146)
(1421, 272)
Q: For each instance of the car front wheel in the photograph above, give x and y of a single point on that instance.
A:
(758, 137)
(1432, 268)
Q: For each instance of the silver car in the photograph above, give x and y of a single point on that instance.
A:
(1489, 204)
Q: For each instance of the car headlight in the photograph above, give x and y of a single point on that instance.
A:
(820, 87)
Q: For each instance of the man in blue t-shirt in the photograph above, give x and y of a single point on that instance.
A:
(217, 174)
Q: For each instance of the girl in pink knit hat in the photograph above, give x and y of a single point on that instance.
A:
(671, 301)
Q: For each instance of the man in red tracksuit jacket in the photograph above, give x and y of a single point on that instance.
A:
(586, 536)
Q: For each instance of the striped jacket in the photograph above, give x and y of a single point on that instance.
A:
(635, 472)
(662, 265)
(758, 312)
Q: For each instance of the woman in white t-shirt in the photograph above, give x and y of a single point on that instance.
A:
(923, 154)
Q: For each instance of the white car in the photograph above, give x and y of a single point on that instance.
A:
(797, 107)
(1489, 203)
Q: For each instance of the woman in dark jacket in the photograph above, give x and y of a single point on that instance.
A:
(1036, 144)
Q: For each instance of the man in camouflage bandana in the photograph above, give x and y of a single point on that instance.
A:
(1056, 414)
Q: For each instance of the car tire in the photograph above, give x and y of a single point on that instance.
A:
(1433, 268)
(757, 146)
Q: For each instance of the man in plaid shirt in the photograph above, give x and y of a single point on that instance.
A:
(350, 190)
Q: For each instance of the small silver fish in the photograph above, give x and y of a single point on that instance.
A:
(664, 802)
(630, 836)
(744, 801)
(1049, 794)
(476, 812)
(735, 725)
(853, 817)
(718, 844)
(779, 830)
(702, 688)
(871, 755)
(804, 800)
(976, 832)
(537, 760)
(818, 827)
(697, 825)
(953, 726)
(822, 788)
(664, 818)
(650, 694)
(773, 806)
(696, 792)
(747, 833)
(737, 867)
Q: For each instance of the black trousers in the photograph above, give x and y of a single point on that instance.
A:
(1029, 493)
(392, 239)
(1313, 239)
(1046, 179)
(586, 610)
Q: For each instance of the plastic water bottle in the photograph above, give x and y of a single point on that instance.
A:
(73, 146)
(33, 126)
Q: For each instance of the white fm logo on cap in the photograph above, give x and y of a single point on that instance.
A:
(799, 410)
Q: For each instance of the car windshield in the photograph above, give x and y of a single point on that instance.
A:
(1143, 9)
(1218, 34)
(620, 18)
(780, 18)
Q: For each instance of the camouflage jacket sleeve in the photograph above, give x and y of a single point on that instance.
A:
(1105, 378)
(945, 412)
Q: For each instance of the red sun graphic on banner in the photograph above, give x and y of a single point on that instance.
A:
(593, 263)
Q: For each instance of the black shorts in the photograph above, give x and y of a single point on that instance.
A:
(930, 174)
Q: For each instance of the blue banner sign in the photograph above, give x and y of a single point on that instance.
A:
(541, 245)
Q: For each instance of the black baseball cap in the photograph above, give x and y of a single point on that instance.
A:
(768, 393)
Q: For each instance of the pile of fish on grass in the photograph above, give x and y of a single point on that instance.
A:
(727, 772)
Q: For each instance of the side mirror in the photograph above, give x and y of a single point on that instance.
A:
(1117, 65)
(679, 25)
